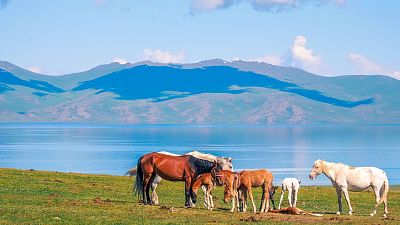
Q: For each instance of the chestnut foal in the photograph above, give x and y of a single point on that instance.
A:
(255, 178)
(240, 183)
(230, 180)
(207, 181)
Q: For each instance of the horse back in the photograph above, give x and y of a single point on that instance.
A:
(256, 177)
(168, 167)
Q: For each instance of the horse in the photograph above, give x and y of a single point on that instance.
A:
(256, 178)
(231, 181)
(293, 211)
(345, 178)
(226, 163)
(205, 180)
(291, 185)
(173, 168)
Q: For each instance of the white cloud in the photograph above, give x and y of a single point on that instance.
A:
(160, 56)
(304, 57)
(369, 67)
(210, 5)
(270, 59)
(35, 69)
(259, 5)
(120, 60)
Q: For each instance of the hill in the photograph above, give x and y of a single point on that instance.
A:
(208, 92)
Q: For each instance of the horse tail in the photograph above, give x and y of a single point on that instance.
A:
(138, 187)
(385, 191)
(132, 172)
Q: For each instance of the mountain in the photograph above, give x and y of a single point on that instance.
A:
(208, 92)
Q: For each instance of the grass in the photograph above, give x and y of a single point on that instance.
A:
(39, 197)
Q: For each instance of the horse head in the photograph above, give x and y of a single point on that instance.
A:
(317, 169)
(226, 163)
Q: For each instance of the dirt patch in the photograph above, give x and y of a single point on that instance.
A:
(293, 218)
(54, 180)
(169, 209)
(98, 200)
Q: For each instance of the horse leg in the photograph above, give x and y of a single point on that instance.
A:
(280, 201)
(377, 198)
(339, 198)
(203, 188)
(385, 207)
(146, 196)
(149, 186)
(233, 200)
(154, 184)
(188, 188)
(267, 200)
(251, 198)
(272, 201)
(346, 195)
(290, 197)
(244, 202)
(262, 206)
(295, 197)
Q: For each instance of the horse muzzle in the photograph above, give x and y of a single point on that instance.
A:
(312, 175)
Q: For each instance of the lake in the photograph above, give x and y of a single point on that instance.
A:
(288, 151)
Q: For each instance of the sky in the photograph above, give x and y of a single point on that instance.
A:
(325, 37)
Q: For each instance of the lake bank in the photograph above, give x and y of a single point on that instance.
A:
(41, 197)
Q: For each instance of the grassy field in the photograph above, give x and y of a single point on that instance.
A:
(36, 197)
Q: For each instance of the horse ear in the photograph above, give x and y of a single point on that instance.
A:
(299, 182)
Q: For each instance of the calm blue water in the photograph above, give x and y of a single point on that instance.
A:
(288, 151)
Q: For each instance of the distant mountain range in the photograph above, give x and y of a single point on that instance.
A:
(208, 92)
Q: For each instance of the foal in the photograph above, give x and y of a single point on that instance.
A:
(256, 178)
(231, 182)
(291, 185)
(207, 181)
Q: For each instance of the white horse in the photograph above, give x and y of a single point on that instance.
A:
(346, 178)
(226, 163)
(291, 185)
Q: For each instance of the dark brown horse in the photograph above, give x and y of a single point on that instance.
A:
(173, 168)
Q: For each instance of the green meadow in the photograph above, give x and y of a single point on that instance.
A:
(39, 197)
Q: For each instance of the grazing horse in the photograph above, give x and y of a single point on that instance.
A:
(173, 168)
(231, 182)
(205, 180)
(225, 162)
(256, 178)
(345, 178)
(291, 185)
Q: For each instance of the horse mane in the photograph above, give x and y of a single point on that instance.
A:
(200, 166)
(203, 156)
(167, 153)
(211, 158)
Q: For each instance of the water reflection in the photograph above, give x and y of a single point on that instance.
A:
(285, 150)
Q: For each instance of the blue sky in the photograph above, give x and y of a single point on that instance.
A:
(327, 37)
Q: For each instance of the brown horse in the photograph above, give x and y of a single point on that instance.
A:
(231, 182)
(293, 211)
(206, 180)
(256, 178)
(173, 168)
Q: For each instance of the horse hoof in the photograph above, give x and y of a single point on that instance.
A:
(350, 213)
(385, 216)
(338, 213)
(372, 214)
